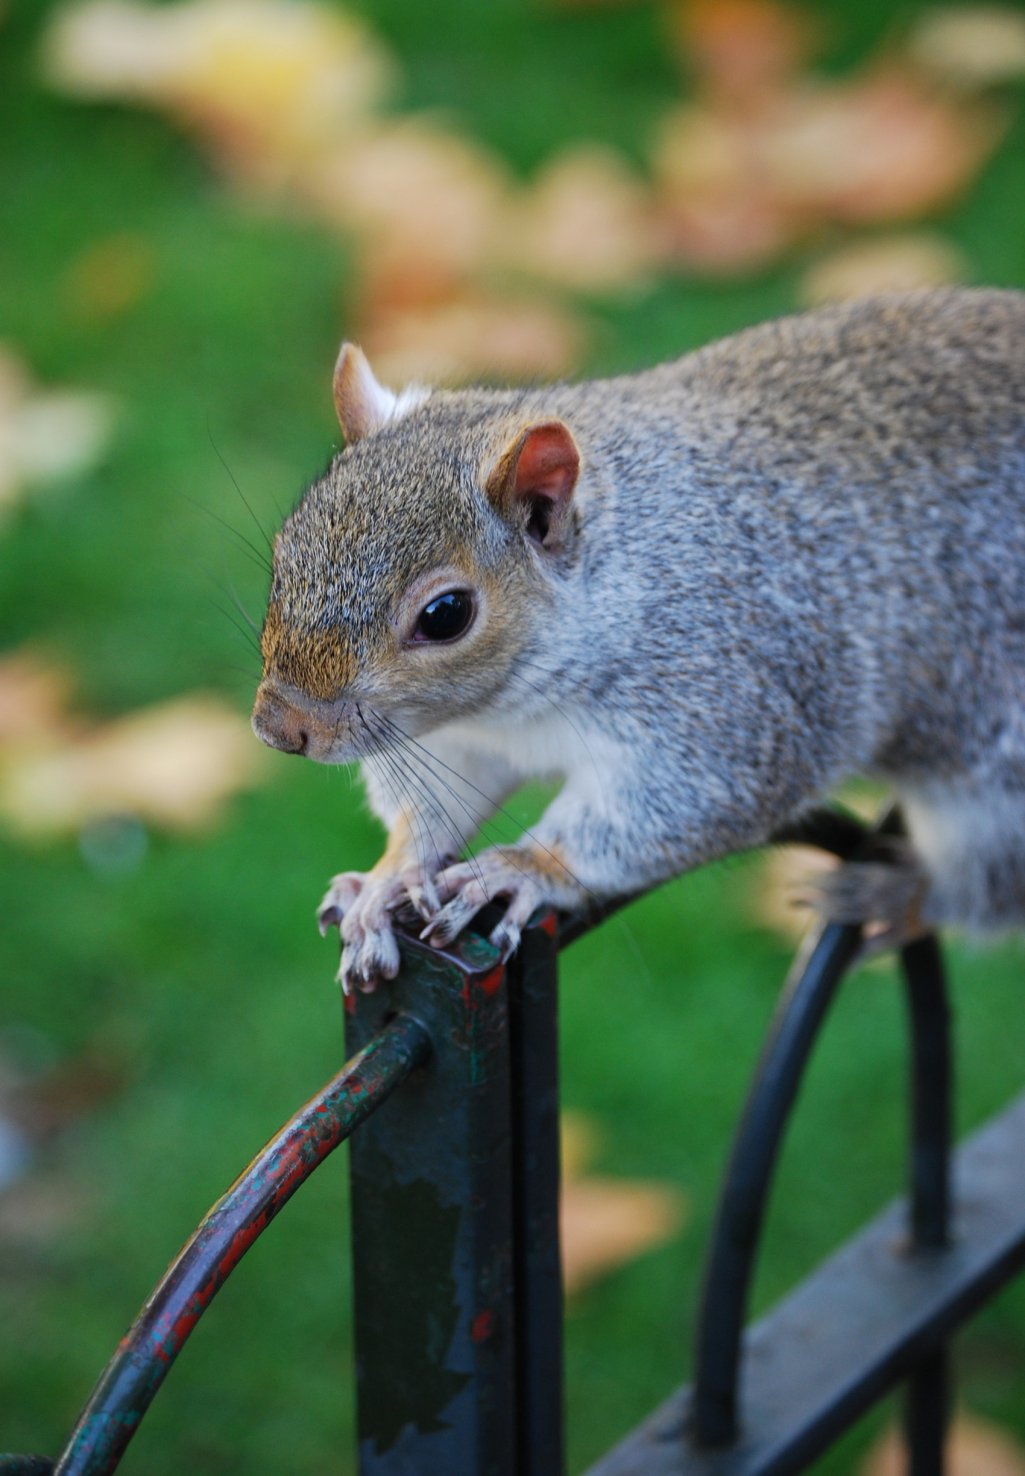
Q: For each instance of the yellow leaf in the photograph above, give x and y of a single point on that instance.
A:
(267, 83)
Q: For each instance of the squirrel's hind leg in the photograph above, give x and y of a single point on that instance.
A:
(962, 864)
(970, 835)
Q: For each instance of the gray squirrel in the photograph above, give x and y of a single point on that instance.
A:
(701, 596)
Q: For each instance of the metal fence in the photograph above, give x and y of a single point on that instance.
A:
(453, 1085)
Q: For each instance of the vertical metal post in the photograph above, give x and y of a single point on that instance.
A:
(533, 1009)
(455, 1221)
(927, 1407)
(433, 1229)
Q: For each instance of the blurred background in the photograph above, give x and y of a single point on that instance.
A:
(197, 200)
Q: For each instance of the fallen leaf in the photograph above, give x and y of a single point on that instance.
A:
(174, 764)
(739, 184)
(423, 202)
(971, 46)
(266, 84)
(974, 1448)
(585, 223)
(783, 884)
(34, 697)
(883, 147)
(887, 264)
(606, 1222)
(741, 47)
(45, 435)
(473, 336)
(109, 277)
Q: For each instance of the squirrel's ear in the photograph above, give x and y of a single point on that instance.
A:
(534, 480)
(362, 404)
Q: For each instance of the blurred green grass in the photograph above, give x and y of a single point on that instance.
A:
(202, 966)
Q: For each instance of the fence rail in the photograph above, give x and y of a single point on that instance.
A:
(453, 1086)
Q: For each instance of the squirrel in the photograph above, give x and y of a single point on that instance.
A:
(701, 596)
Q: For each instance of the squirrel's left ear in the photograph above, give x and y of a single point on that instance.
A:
(534, 480)
(362, 404)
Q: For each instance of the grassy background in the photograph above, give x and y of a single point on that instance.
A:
(201, 966)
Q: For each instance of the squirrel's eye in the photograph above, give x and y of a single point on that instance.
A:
(445, 618)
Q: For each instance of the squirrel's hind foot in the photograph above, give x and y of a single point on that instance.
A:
(886, 896)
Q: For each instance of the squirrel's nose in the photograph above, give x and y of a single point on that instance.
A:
(280, 726)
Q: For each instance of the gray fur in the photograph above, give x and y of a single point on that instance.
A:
(798, 556)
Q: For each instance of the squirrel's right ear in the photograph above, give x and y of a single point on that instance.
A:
(362, 404)
(534, 480)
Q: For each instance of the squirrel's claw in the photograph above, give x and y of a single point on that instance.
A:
(451, 919)
(368, 960)
(339, 897)
(470, 885)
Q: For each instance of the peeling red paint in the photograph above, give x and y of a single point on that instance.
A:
(482, 1326)
(492, 983)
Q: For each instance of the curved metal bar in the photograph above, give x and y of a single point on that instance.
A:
(806, 998)
(135, 1373)
(25, 1465)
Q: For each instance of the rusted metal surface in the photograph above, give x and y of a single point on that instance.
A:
(456, 1277)
(141, 1363)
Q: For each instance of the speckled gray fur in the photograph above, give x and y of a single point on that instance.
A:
(798, 555)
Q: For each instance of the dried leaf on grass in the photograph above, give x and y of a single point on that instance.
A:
(174, 764)
(424, 202)
(45, 435)
(34, 697)
(585, 223)
(972, 46)
(474, 336)
(975, 1448)
(741, 47)
(109, 277)
(606, 1222)
(263, 83)
(784, 883)
(741, 186)
(887, 264)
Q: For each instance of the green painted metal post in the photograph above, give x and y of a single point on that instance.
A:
(458, 1304)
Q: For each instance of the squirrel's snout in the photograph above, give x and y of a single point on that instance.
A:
(280, 726)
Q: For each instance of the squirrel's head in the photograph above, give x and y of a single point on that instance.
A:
(417, 571)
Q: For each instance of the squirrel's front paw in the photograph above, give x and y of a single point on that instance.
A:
(509, 872)
(361, 905)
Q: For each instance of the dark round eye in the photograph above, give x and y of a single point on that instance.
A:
(445, 618)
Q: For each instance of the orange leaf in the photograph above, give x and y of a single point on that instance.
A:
(606, 1222)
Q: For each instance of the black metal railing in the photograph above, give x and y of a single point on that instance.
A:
(458, 1318)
